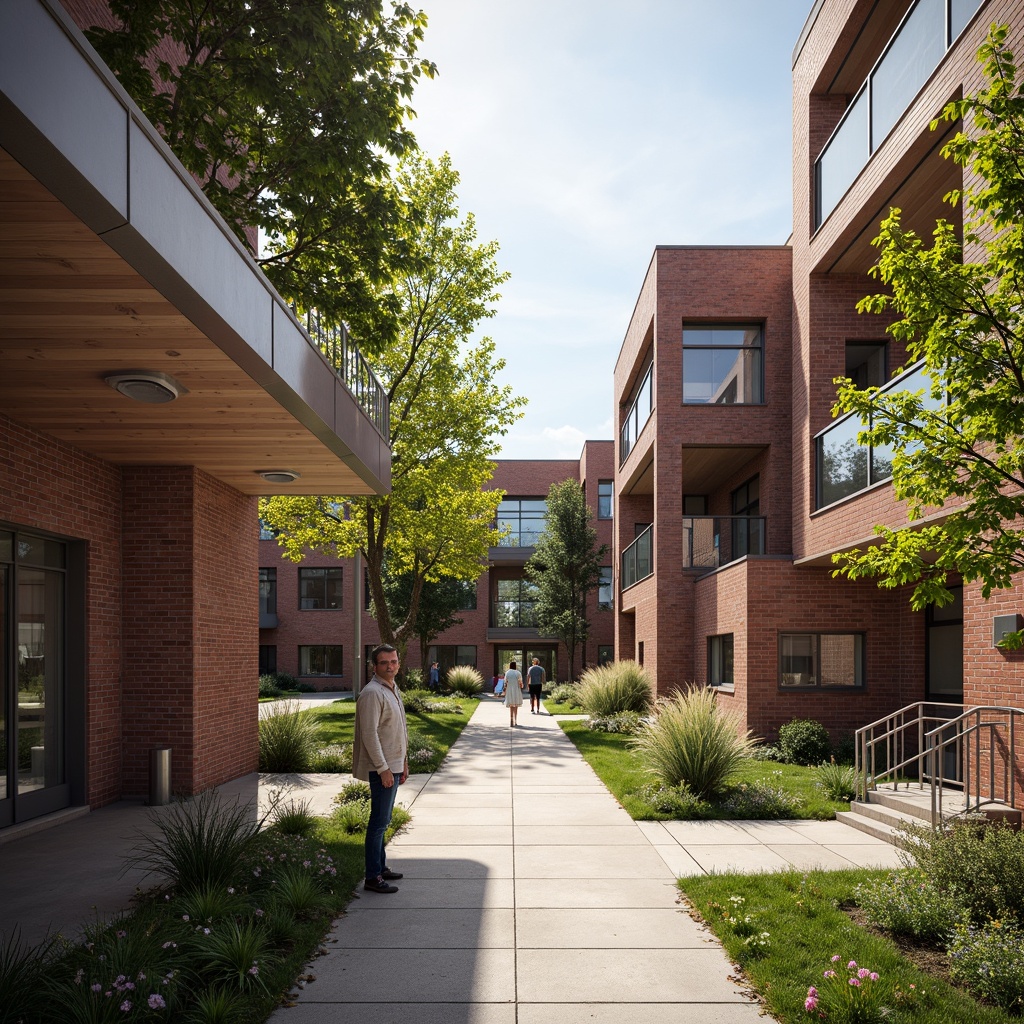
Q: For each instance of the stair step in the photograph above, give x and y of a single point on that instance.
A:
(872, 826)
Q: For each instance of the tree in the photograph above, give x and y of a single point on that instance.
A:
(958, 443)
(565, 567)
(447, 414)
(440, 600)
(286, 112)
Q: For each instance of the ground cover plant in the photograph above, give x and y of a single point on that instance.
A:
(808, 958)
(759, 789)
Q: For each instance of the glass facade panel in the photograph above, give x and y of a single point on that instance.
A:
(604, 590)
(842, 463)
(525, 520)
(637, 559)
(840, 660)
(604, 499)
(639, 412)
(268, 591)
(516, 605)
(843, 158)
(605, 654)
(722, 365)
(796, 659)
(960, 13)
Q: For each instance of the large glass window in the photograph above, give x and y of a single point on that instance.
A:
(604, 589)
(524, 518)
(818, 660)
(268, 591)
(320, 588)
(516, 604)
(720, 660)
(640, 407)
(722, 364)
(321, 660)
(604, 499)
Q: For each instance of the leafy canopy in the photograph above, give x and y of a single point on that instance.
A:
(288, 113)
(958, 444)
(447, 414)
(565, 567)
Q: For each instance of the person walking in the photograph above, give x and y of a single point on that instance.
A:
(535, 677)
(380, 756)
(434, 678)
(513, 691)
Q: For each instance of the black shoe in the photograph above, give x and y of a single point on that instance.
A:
(390, 875)
(378, 884)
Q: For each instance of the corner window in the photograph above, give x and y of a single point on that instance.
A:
(604, 499)
(821, 660)
(320, 588)
(323, 660)
(723, 364)
(720, 660)
(604, 589)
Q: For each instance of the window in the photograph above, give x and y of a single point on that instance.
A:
(605, 654)
(268, 659)
(268, 592)
(722, 364)
(524, 518)
(604, 589)
(747, 524)
(720, 660)
(640, 405)
(320, 588)
(695, 504)
(449, 655)
(821, 660)
(323, 660)
(516, 604)
(604, 499)
(866, 363)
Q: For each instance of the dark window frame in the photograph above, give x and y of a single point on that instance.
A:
(759, 349)
(721, 664)
(605, 499)
(860, 662)
(330, 660)
(311, 574)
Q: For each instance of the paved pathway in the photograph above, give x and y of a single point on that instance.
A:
(531, 897)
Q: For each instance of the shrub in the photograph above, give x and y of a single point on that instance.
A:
(619, 686)
(989, 960)
(422, 752)
(565, 693)
(426, 702)
(413, 679)
(766, 752)
(269, 687)
(353, 791)
(627, 723)
(464, 680)
(836, 781)
(677, 801)
(287, 737)
(692, 740)
(979, 863)
(332, 759)
(285, 681)
(907, 903)
(293, 818)
(305, 688)
(199, 843)
(352, 816)
(757, 800)
(804, 741)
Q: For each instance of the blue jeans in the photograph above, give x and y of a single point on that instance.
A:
(382, 803)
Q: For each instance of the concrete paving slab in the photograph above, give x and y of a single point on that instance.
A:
(614, 975)
(451, 861)
(411, 976)
(431, 799)
(864, 856)
(647, 1013)
(447, 835)
(607, 929)
(707, 833)
(812, 857)
(679, 861)
(655, 832)
(579, 835)
(597, 892)
(830, 832)
(751, 859)
(585, 810)
(312, 1012)
(441, 893)
(573, 862)
(773, 832)
(497, 812)
(424, 928)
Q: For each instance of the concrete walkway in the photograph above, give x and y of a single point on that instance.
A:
(531, 897)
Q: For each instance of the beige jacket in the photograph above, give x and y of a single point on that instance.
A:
(382, 737)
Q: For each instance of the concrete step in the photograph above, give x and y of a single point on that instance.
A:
(872, 826)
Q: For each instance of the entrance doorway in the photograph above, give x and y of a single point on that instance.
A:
(944, 635)
(523, 657)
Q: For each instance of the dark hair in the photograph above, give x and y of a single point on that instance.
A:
(511, 664)
(378, 650)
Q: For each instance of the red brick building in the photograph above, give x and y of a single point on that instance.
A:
(734, 485)
(153, 385)
(306, 607)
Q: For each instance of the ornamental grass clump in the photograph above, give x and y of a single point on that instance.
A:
(620, 686)
(847, 995)
(24, 970)
(692, 741)
(836, 781)
(464, 680)
(287, 738)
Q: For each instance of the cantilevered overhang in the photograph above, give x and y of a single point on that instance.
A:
(112, 259)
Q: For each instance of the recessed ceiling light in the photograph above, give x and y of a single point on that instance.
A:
(149, 386)
(279, 476)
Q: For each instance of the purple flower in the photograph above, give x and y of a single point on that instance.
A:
(254, 970)
(96, 987)
(157, 1002)
(126, 1006)
(121, 934)
(863, 973)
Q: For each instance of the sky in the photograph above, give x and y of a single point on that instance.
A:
(587, 132)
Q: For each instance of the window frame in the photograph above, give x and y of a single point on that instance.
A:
(340, 664)
(606, 492)
(325, 573)
(607, 584)
(268, 589)
(721, 661)
(748, 325)
(859, 662)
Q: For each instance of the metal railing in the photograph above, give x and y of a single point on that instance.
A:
(711, 541)
(638, 559)
(351, 368)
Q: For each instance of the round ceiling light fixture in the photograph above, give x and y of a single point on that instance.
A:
(149, 386)
(279, 476)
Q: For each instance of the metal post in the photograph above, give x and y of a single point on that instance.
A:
(159, 776)
(357, 623)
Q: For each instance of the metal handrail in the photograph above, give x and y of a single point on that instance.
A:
(893, 734)
(938, 742)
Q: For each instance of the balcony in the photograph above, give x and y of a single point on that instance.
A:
(713, 541)
(638, 559)
(912, 54)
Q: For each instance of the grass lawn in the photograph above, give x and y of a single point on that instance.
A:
(436, 731)
(622, 771)
(804, 916)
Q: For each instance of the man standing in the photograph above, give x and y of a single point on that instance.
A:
(535, 677)
(434, 677)
(380, 756)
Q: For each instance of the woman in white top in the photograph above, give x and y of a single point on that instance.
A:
(513, 691)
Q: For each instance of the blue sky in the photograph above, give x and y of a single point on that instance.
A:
(586, 133)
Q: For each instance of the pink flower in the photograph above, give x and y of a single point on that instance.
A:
(126, 1006)
(812, 991)
(874, 977)
(863, 972)
(852, 965)
(835, 959)
(810, 1003)
(855, 982)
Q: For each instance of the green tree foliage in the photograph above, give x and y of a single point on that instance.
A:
(288, 113)
(958, 444)
(565, 567)
(447, 414)
(440, 601)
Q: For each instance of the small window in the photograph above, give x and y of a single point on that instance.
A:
(320, 589)
(605, 654)
(720, 660)
(821, 660)
(604, 499)
(866, 363)
(722, 364)
(323, 660)
(604, 589)
(268, 591)
(268, 659)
